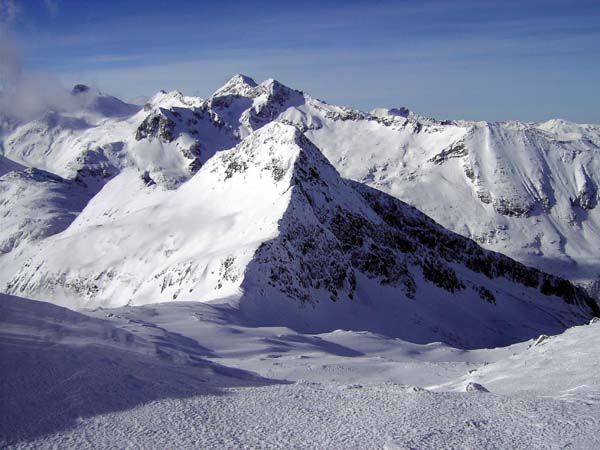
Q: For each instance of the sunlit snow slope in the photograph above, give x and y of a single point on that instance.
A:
(271, 225)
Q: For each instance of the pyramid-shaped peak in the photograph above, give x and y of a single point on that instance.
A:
(278, 139)
(279, 132)
(278, 149)
(240, 78)
(238, 84)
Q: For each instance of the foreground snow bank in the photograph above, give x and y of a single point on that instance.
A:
(322, 415)
(59, 367)
(159, 376)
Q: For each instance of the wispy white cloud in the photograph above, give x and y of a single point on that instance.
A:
(24, 95)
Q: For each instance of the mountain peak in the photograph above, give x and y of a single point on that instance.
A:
(240, 78)
(276, 88)
(274, 146)
(171, 99)
(398, 112)
(238, 84)
(80, 88)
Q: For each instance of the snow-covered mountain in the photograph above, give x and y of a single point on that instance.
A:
(246, 272)
(527, 190)
(272, 226)
(93, 147)
(35, 204)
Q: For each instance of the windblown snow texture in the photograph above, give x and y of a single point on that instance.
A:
(163, 376)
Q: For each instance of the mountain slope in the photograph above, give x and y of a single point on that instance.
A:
(527, 190)
(35, 204)
(562, 367)
(298, 246)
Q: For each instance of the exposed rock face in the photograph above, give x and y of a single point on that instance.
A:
(587, 197)
(475, 387)
(94, 164)
(156, 125)
(455, 150)
(79, 88)
(543, 338)
(512, 208)
(440, 247)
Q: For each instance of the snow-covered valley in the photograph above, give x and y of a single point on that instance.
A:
(195, 375)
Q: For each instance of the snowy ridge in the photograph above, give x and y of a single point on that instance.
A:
(298, 246)
(524, 189)
(528, 190)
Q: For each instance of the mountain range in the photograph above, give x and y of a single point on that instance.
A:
(303, 214)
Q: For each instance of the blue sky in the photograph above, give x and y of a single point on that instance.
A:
(495, 60)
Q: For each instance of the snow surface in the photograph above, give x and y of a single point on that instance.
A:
(180, 375)
(563, 366)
